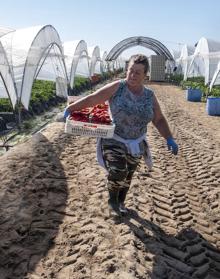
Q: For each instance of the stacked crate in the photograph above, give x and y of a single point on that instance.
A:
(157, 67)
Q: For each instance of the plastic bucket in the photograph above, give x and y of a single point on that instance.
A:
(194, 95)
(213, 106)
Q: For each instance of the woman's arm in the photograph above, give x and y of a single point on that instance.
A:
(98, 97)
(162, 126)
(160, 121)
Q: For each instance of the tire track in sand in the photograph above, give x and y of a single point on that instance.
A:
(172, 230)
(194, 193)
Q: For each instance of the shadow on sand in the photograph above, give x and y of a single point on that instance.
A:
(184, 256)
(33, 195)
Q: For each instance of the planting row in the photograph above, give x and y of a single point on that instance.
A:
(196, 91)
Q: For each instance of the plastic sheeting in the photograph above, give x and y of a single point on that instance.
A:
(185, 59)
(205, 59)
(104, 63)
(171, 64)
(24, 49)
(7, 88)
(120, 63)
(4, 30)
(94, 60)
(51, 65)
(76, 59)
(83, 67)
(37, 53)
(216, 77)
(147, 42)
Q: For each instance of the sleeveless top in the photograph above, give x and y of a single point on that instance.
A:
(131, 113)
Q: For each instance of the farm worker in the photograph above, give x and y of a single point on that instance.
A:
(132, 106)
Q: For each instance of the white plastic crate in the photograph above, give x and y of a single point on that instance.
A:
(89, 129)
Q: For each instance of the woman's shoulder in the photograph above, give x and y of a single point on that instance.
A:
(148, 91)
(119, 82)
(115, 85)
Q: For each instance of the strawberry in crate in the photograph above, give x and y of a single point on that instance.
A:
(82, 115)
(98, 114)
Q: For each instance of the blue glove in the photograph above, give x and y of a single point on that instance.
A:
(66, 113)
(172, 145)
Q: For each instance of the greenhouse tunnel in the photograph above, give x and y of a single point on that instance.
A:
(24, 56)
(147, 42)
(76, 59)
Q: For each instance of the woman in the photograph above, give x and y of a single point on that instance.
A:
(132, 107)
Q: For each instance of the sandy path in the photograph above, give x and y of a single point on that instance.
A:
(54, 217)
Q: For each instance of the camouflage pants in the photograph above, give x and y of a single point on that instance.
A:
(120, 165)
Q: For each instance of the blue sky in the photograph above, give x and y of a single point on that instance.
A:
(105, 23)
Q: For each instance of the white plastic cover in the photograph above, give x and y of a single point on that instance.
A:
(83, 67)
(104, 64)
(94, 60)
(185, 59)
(205, 59)
(7, 88)
(121, 62)
(4, 30)
(25, 49)
(76, 59)
(175, 53)
(61, 87)
(111, 65)
(216, 77)
(51, 65)
(171, 64)
(37, 53)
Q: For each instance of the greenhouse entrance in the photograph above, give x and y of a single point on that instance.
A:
(147, 42)
(157, 62)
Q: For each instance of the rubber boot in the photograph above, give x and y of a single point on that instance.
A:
(121, 200)
(113, 202)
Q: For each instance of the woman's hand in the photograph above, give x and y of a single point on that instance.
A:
(171, 144)
(66, 113)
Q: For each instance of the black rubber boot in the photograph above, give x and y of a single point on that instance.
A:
(121, 200)
(113, 202)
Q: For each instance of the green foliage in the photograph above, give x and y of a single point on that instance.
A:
(26, 125)
(195, 83)
(106, 75)
(45, 92)
(174, 78)
(5, 105)
(198, 83)
(81, 83)
(42, 91)
(215, 92)
(197, 79)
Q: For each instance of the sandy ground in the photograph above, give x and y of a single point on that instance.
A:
(54, 219)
